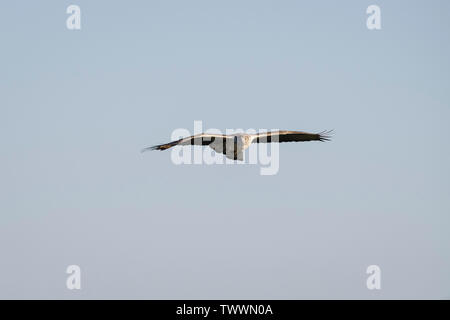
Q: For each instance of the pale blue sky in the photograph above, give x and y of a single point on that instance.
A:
(76, 107)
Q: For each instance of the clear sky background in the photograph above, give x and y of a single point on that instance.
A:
(76, 107)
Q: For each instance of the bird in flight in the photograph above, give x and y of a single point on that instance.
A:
(233, 146)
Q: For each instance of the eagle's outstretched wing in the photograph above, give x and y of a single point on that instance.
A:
(290, 136)
(202, 139)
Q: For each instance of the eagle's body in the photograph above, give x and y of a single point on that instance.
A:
(236, 146)
(233, 146)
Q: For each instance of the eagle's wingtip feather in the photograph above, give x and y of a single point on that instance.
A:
(149, 148)
(325, 135)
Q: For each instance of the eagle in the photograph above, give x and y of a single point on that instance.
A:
(234, 145)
